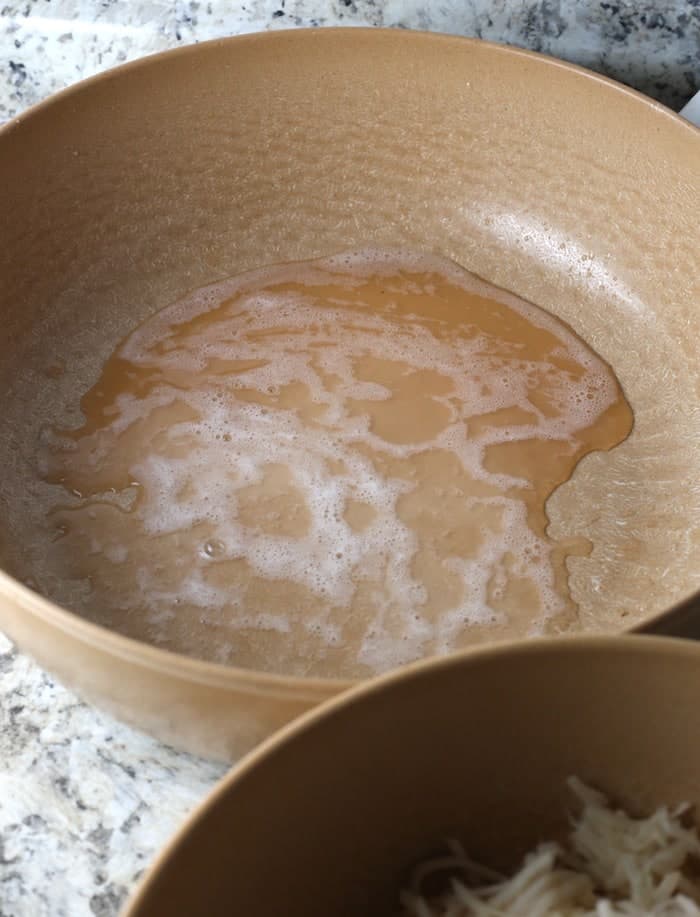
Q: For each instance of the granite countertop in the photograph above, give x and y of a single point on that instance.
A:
(86, 802)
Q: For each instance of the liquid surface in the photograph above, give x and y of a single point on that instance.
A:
(330, 468)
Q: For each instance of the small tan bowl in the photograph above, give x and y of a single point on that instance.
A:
(328, 816)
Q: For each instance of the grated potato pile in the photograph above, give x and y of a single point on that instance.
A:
(611, 866)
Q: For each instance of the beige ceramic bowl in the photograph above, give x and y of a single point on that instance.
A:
(124, 192)
(328, 816)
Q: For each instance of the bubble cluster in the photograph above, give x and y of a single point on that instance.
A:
(346, 427)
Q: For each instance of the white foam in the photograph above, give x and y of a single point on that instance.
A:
(233, 443)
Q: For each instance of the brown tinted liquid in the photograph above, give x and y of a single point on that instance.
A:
(331, 468)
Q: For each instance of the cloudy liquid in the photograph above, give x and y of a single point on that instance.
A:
(330, 468)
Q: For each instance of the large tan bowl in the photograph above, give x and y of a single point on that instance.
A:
(328, 816)
(124, 192)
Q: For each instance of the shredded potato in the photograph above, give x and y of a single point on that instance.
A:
(611, 866)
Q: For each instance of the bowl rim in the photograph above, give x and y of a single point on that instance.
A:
(627, 645)
(191, 669)
(343, 33)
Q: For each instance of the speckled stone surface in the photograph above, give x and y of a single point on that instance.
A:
(85, 802)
